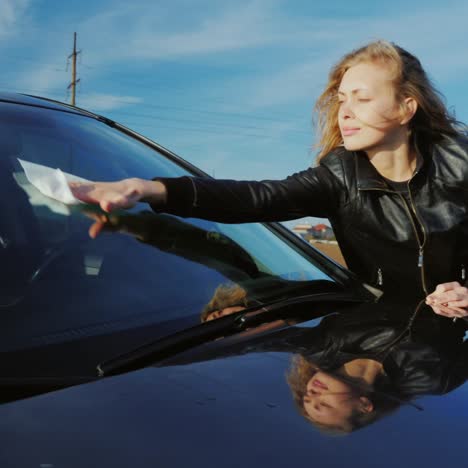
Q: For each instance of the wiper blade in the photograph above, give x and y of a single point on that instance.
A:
(148, 353)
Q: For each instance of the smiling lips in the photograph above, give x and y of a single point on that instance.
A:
(317, 383)
(348, 131)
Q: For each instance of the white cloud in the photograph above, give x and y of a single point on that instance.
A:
(43, 80)
(148, 37)
(442, 52)
(145, 32)
(105, 102)
(11, 12)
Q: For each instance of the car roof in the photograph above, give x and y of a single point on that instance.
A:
(39, 101)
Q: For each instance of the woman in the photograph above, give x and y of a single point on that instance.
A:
(392, 179)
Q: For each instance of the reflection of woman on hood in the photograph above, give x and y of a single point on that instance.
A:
(343, 400)
(358, 366)
(363, 365)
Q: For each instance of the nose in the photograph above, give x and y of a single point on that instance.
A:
(346, 111)
(314, 401)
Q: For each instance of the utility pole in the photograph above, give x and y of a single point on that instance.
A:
(74, 81)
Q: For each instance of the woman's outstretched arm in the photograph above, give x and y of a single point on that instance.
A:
(316, 191)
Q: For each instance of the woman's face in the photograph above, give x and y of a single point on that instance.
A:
(369, 115)
(330, 401)
(222, 312)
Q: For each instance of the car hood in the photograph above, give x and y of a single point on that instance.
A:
(235, 410)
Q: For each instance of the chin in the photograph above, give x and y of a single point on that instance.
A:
(353, 146)
(358, 145)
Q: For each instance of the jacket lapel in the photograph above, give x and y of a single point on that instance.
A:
(367, 176)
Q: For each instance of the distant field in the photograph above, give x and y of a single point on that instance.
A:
(332, 250)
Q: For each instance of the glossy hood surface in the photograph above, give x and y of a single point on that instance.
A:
(232, 406)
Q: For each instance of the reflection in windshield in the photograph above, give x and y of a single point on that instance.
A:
(59, 285)
(358, 367)
(181, 238)
(227, 299)
(250, 283)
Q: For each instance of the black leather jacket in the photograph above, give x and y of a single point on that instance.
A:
(373, 224)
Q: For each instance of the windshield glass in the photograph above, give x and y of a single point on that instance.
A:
(59, 285)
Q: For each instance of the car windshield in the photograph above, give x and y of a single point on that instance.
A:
(60, 285)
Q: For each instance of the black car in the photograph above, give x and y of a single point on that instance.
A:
(184, 342)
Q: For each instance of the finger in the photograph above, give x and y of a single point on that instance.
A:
(107, 206)
(437, 298)
(86, 196)
(457, 311)
(114, 202)
(447, 297)
(440, 288)
(118, 202)
(438, 311)
(462, 290)
(461, 304)
(457, 294)
(92, 215)
(95, 229)
(442, 312)
(450, 295)
(449, 311)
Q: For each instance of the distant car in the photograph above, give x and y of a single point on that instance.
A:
(165, 341)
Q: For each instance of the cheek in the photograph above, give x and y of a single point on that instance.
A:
(378, 116)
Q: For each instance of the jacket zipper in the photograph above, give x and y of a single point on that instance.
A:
(463, 273)
(379, 277)
(421, 244)
(418, 240)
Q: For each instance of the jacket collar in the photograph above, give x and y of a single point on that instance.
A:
(367, 176)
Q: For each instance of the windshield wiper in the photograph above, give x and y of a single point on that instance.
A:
(153, 351)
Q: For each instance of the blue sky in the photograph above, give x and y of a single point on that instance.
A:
(228, 85)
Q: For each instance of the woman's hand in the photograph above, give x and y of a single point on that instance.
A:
(123, 194)
(449, 300)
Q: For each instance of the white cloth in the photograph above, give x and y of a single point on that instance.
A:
(51, 182)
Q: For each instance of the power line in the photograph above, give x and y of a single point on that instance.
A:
(55, 67)
(59, 94)
(210, 112)
(141, 86)
(230, 128)
(231, 132)
(224, 114)
(29, 59)
(135, 126)
(57, 91)
(197, 110)
(215, 124)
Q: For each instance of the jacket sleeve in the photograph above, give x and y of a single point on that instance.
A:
(312, 192)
